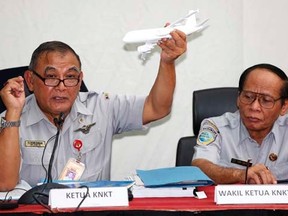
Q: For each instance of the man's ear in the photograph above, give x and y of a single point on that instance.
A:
(81, 79)
(238, 101)
(284, 108)
(29, 80)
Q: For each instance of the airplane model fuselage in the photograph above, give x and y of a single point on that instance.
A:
(150, 37)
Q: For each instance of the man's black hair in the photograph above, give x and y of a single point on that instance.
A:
(51, 46)
(273, 69)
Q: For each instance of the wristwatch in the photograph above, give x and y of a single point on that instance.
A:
(5, 124)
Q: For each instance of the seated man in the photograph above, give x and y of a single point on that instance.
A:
(87, 120)
(258, 131)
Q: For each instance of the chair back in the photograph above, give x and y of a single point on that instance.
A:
(206, 103)
(212, 102)
(9, 73)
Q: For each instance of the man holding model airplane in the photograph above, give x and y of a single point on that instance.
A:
(29, 125)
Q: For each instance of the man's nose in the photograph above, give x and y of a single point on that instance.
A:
(256, 103)
(61, 85)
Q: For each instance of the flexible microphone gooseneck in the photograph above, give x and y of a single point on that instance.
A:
(40, 193)
(59, 123)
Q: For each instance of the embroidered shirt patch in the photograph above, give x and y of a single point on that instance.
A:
(208, 133)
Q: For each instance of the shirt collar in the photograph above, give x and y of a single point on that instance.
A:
(36, 115)
(34, 112)
(243, 133)
(275, 130)
(282, 121)
(80, 106)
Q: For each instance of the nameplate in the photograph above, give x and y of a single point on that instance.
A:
(251, 194)
(96, 197)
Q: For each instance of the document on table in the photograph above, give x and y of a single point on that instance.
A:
(141, 191)
(169, 182)
(182, 176)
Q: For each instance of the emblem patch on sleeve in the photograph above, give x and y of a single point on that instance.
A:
(207, 134)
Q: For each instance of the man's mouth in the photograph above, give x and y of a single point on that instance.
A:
(58, 98)
(253, 119)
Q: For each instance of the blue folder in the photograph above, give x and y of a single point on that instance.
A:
(182, 176)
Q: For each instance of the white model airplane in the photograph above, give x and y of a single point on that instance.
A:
(186, 24)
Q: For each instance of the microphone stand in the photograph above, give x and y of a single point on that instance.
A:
(40, 193)
(59, 123)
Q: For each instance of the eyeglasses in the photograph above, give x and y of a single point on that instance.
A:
(53, 82)
(265, 101)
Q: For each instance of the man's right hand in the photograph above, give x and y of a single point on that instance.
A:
(13, 95)
(260, 174)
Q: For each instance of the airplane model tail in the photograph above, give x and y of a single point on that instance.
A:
(189, 19)
(186, 24)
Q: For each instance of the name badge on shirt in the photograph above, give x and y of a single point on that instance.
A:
(73, 170)
(35, 143)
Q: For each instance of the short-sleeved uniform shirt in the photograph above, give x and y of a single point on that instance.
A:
(225, 137)
(111, 114)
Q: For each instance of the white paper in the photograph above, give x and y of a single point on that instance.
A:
(17, 192)
(141, 191)
(97, 197)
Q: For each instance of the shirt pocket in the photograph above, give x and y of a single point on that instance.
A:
(280, 170)
(92, 154)
(33, 156)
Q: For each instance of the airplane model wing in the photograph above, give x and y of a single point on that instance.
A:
(150, 37)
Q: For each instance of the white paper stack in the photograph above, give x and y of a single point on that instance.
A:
(169, 182)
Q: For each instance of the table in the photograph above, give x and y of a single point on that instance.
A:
(164, 206)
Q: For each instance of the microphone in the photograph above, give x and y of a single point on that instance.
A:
(59, 121)
(40, 193)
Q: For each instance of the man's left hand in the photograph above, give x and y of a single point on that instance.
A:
(174, 47)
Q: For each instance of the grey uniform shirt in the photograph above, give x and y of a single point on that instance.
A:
(111, 114)
(222, 138)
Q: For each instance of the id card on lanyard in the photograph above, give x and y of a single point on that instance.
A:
(74, 168)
